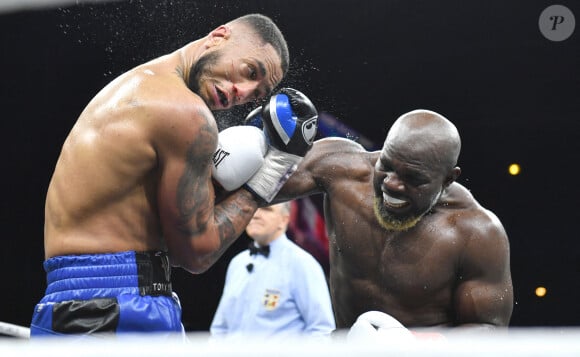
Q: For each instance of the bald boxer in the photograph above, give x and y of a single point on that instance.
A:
(132, 193)
(405, 238)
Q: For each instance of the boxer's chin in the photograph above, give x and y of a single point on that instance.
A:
(389, 222)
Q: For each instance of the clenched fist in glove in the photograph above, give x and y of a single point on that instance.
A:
(290, 121)
(240, 153)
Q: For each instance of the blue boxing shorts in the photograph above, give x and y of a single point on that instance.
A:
(126, 292)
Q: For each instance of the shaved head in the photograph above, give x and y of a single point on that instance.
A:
(425, 132)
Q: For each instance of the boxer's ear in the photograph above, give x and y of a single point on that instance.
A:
(218, 35)
(452, 177)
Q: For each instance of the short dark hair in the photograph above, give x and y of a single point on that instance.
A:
(269, 33)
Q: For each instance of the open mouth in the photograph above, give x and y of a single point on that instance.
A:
(393, 202)
(222, 97)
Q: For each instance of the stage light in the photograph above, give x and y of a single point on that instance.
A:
(541, 291)
(514, 169)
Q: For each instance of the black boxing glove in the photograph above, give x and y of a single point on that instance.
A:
(290, 121)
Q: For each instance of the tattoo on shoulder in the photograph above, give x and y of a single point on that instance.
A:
(207, 135)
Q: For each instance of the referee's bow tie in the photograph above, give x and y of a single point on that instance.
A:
(264, 250)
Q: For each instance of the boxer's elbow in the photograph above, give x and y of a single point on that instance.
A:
(196, 266)
(205, 252)
(196, 263)
(196, 253)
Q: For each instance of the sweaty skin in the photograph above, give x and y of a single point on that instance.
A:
(135, 171)
(450, 269)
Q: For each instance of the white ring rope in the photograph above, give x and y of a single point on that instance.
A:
(19, 5)
(558, 342)
(14, 330)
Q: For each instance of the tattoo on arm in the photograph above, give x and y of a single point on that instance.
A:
(195, 199)
(193, 194)
(239, 208)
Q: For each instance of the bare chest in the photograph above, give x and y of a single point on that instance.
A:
(420, 262)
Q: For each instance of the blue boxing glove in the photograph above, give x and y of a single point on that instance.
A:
(290, 121)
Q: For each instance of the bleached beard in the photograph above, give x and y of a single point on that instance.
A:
(392, 223)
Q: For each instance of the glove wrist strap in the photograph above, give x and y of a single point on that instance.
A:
(277, 168)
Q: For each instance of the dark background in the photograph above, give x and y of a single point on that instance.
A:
(513, 94)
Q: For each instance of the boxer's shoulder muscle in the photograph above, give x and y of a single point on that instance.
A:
(329, 161)
(181, 122)
(474, 217)
(334, 158)
(481, 232)
(338, 146)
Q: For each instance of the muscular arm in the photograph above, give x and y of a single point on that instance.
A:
(196, 230)
(322, 162)
(484, 295)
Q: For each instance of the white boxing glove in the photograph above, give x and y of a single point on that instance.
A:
(378, 327)
(240, 153)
